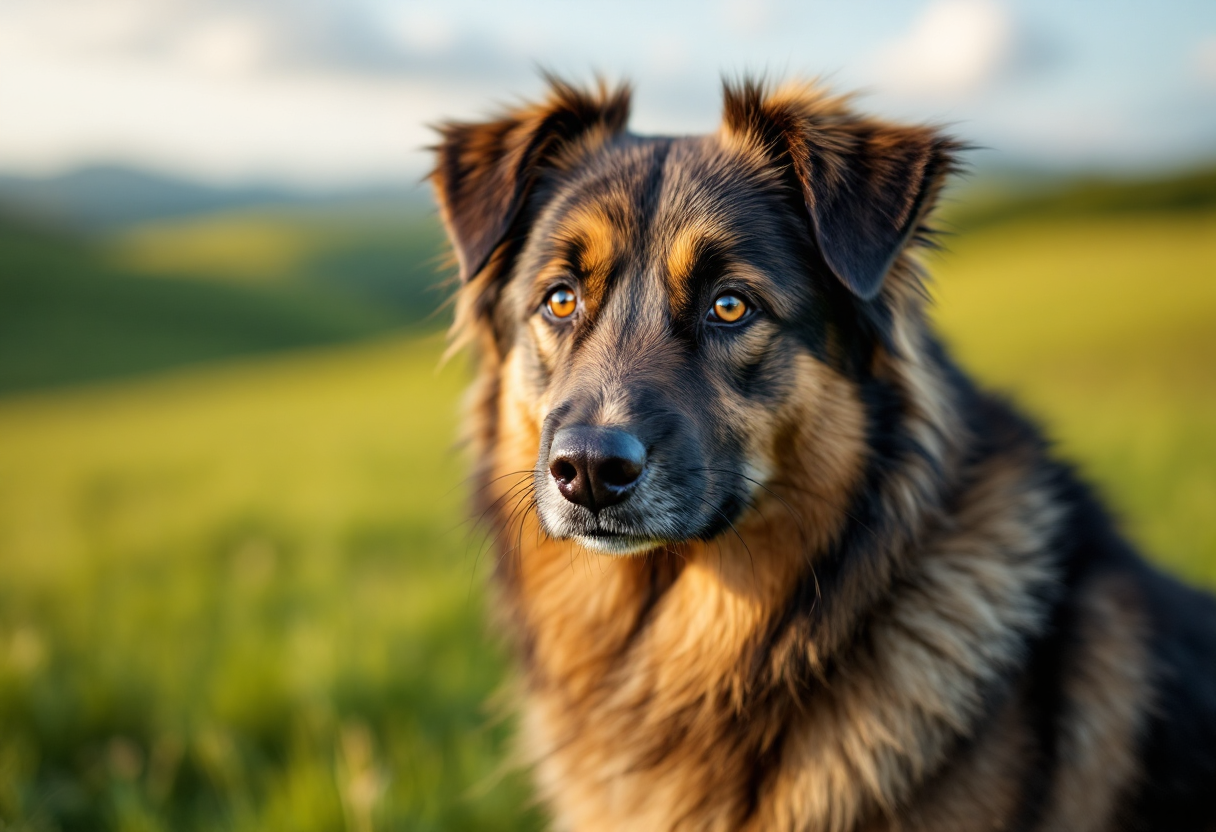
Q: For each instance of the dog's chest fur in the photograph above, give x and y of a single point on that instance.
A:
(644, 707)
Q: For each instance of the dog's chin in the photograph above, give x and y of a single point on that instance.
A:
(617, 545)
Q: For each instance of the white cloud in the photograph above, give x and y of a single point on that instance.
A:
(747, 17)
(315, 93)
(954, 48)
(1204, 62)
(423, 28)
(226, 46)
(214, 38)
(61, 26)
(193, 111)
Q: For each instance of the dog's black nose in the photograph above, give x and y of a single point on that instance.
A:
(595, 467)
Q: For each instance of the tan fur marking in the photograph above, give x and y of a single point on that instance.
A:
(598, 240)
(1108, 701)
(684, 252)
(813, 459)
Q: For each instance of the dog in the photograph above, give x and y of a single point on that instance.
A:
(768, 558)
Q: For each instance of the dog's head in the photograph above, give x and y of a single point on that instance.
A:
(671, 326)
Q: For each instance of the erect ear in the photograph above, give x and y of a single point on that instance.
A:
(867, 185)
(484, 171)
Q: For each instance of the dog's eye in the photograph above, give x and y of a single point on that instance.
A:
(728, 308)
(562, 302)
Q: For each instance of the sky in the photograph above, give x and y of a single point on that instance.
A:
(323, 93)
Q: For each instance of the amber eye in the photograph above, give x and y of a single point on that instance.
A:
(562, 302)
(728, 308)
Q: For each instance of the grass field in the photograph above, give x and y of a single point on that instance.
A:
(243, 598)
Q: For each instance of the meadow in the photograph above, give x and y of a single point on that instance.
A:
(244, 595)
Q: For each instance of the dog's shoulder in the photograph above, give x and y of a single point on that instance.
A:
(1129, 681)
(1179, 746)
(1119, 696)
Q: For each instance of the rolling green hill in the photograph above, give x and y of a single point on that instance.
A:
(75, 310)
(388, 259)
(999, 200)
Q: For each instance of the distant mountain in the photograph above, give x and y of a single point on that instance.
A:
(105, 198)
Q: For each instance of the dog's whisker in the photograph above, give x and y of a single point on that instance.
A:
(505, 497)
(521, 492)
(493, 543)
(519, 513)
(746, 548)
(473, 523)
(808, 556)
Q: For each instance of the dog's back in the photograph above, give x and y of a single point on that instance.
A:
(851, 591)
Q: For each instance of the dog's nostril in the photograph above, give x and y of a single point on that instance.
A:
(619, 473)
(563, 471)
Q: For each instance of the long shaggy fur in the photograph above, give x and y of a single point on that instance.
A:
(871, 597)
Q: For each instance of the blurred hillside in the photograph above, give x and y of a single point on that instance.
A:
(238, 590)
(996, 199)
(106, 273)
(76, 307)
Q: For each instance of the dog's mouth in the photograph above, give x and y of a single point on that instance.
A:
(619, 531)
(644, 526)
(615, 543)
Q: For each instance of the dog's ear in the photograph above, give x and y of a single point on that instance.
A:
(867, 185)
(484, 171)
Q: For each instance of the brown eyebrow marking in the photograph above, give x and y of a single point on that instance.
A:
(590, 242)
(699, 249)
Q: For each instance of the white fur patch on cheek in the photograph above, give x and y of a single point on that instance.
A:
(758, 472)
